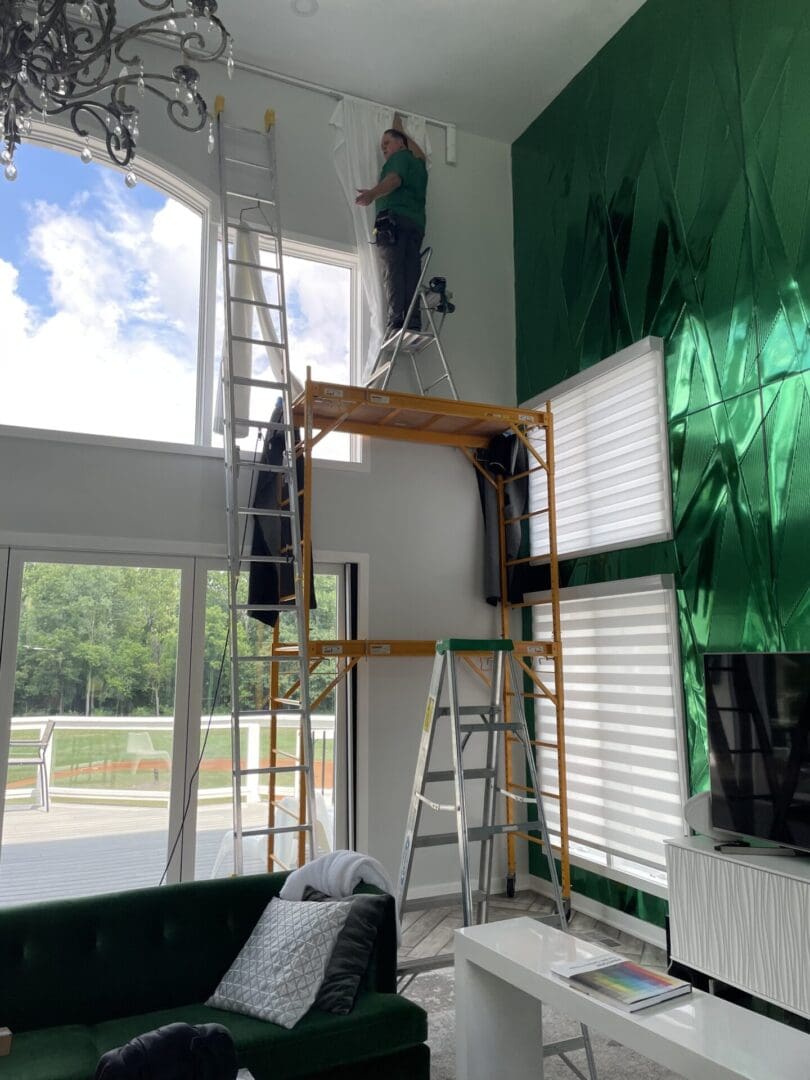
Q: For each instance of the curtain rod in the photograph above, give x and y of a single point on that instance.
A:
(328, 91)
(337, 95)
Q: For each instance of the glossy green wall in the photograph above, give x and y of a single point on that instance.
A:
(666, 191)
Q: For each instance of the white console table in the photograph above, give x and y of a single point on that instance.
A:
(743, 919)
(504, 979)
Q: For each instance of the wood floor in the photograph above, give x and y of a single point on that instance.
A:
(430, 932)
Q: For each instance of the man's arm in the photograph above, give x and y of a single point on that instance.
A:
(413, 145)
(389, 183)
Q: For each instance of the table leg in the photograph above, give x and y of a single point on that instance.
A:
(498, 1027)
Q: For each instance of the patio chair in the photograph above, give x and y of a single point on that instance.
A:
(140, 748)
(36, 756)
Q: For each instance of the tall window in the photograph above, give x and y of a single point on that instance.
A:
(611, 476)
(106, 296)
(623, 726)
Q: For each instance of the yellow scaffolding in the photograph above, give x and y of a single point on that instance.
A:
(323, 408)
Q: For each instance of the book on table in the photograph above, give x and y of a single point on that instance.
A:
(621, 982)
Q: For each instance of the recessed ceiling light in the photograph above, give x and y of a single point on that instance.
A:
(305, 7)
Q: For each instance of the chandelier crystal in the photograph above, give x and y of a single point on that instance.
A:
(67, 57)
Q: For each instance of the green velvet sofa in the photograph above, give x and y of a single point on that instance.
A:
(80, 977)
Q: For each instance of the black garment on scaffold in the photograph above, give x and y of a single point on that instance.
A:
(174, 1052)
(267, 582)
(401, 266)
(504, 457)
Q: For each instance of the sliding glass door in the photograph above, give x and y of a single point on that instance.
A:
(93, 687)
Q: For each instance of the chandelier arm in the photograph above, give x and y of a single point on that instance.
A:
(120, 144)
(190, 116)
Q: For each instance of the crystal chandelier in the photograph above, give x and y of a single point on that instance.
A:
(60, 56)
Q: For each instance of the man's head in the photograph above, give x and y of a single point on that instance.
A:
(392, 141)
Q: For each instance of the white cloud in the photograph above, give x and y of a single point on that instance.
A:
(114, 350)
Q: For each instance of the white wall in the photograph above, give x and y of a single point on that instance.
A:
(415, 514)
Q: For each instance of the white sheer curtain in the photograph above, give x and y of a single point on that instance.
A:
(358, 129)
(247, 284)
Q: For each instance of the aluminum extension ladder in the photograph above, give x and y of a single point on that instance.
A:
(251, 244)
(409, 344)
(466, 721)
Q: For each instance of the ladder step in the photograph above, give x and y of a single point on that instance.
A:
(276, 830)
(256, 512)
(271, 425)
(267, 713)
(259, 466)
(265, 229)
(252, 197)
(256, 303)
(449, 774)
(480, 832)
(254, 265)
(272, 770)
(487, 727)
(243, 380)
(425, 903)
(470, 710)
(258, 341)
(425, 963)
(265, 607)
(250, 164)
(277, 560)
(436, 383)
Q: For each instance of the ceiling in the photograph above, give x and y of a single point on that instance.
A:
(489, 66)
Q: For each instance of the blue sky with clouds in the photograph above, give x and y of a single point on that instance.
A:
(99, 287)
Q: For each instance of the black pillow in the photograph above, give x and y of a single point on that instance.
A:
(350, 957)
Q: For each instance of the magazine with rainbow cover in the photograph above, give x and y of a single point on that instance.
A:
(622, 982)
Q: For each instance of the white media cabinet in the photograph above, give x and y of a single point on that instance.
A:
(741, 918)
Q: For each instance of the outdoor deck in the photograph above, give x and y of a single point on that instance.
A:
(78, 850)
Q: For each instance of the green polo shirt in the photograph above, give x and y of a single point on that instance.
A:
(409, 197)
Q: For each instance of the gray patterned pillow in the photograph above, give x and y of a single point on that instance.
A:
(279, 971)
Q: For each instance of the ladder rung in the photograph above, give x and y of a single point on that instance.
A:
(267, 713)
(425, 963)
(278, 560)
(250, 164)
(255, 303)
(254, 265)
(253, 198)
(381, 370)
(265, 229)
(271, 425)
(259, 466)
(487, 727)
(449, 774)
(265, 607)
(480, 832)
(470, 710)
(425, 903)
(524, 517)
(258, 341)
(243, 380)
(256, 512)
(271, 770)
(276, 830)
(436, 383)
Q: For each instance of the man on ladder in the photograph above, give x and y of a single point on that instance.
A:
(400, 224)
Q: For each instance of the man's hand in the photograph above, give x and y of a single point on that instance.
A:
(365, 197)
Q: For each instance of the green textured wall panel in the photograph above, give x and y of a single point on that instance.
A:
(666, 191)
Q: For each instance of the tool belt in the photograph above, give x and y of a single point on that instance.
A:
(385, 232)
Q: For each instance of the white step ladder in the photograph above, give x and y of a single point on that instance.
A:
(493, 721)
(408, 344)
(251, 252)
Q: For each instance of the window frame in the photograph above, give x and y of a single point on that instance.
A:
(627, 356)
(663, 583)
(203, 203)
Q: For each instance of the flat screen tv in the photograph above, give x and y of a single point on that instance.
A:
(758, 707)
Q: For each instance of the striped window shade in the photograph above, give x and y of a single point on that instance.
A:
(625, 758)
(612, 477)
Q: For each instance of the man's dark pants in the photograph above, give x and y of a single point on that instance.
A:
(401, 266)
